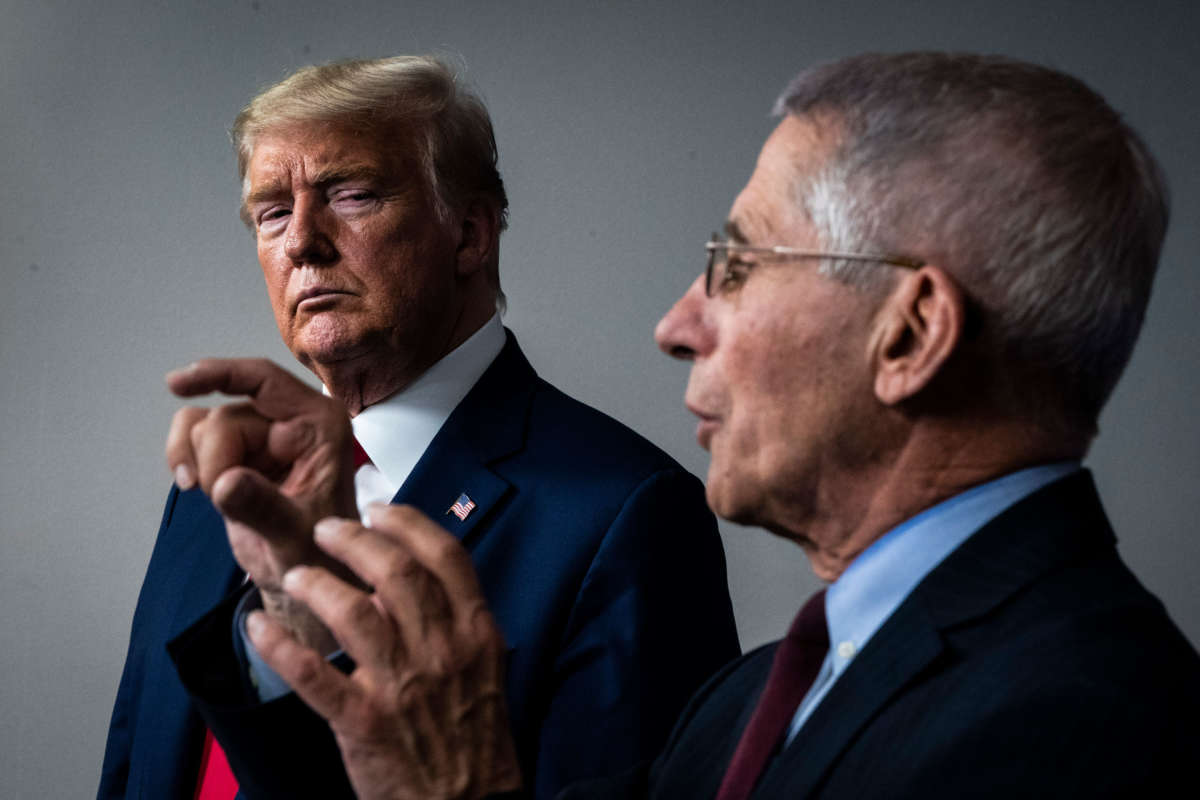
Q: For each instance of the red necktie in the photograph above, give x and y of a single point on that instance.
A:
(360, 455)
(797, 661)
(216, 779)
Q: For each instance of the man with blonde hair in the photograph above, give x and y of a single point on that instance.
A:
(372, 191)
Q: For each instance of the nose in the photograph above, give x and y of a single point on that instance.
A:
(685, 332)
(307, 240)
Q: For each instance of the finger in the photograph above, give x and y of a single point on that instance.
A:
(229, 436)
(319, 683)
(408, 592)
(357, 623)
(435, 550)
(245, 496)
(181, 459)
(274, 391)
(320, 453)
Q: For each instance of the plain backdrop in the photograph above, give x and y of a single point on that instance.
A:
(625, 130)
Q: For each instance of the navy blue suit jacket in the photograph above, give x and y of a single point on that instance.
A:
(597, 554)
(1030, 663)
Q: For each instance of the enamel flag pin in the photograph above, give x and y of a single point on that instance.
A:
(462, 507)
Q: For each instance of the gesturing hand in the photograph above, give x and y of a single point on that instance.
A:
(272, 466)
(423, 714)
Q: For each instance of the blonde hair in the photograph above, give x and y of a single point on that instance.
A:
(419, 99)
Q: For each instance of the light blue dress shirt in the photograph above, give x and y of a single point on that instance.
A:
(882, 576)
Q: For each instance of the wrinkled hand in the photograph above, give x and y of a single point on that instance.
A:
(423, 714)
(272, 465)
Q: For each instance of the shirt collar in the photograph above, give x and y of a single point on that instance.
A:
(882, 576)
(395, 432)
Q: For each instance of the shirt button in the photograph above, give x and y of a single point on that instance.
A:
(846, 650)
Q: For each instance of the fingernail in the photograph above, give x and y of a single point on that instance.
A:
(327, 528)
(293, 577)
(255, 625)
(184, 477)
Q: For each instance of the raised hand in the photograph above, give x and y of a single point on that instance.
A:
(273, 465)
(423, 714)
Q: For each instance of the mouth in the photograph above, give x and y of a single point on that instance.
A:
(313, 298)
(705, 427)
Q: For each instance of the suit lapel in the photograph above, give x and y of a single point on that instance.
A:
(443, 474)
(902, 648)
(488, 425)
(1038, 533)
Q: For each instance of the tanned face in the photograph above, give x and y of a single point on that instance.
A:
(358, 268)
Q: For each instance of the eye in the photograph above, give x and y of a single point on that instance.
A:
(273, 217)
(355, 197)
(734, 274)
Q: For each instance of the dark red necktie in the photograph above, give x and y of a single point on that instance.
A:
(797, 662)
(360, 455)
(216, 779)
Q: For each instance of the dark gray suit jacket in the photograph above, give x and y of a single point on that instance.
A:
(1030, 663)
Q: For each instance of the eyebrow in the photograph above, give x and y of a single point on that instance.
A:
(323, 178)
(735, 233)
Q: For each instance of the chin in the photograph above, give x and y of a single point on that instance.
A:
(726, 504)
(327, 344)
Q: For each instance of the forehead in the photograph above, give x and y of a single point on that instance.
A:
(769, 208)
(312, 152)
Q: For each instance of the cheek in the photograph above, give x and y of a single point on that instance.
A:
(275, 280)
(763, 371)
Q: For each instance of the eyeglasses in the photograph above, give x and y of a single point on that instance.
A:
(718, 273)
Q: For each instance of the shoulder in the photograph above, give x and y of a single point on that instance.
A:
(1081, 671)
(556, 416)
(721, 699)
(543, 428)
(698, 749)
(573, 450)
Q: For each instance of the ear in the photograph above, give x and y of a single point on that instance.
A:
(916, 331)
(478, 232)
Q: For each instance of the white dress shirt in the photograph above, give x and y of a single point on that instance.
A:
(395, 434)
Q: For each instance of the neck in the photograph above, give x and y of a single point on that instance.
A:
(934, 463)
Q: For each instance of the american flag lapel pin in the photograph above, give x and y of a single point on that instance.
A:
(462, 507)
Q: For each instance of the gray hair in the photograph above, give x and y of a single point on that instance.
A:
(419, 98)
(1022, 183)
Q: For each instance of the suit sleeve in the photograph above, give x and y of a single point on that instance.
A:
(114, 773)
(651, 622)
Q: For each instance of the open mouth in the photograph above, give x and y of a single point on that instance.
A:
(706, 426)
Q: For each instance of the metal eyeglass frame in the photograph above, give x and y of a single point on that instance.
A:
(716, 244)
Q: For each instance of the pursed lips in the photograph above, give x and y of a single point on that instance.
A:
(316, 294)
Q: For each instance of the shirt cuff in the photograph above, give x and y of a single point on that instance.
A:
(265, 681)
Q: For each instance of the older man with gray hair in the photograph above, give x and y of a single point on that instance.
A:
(927, 291)
(373, 194)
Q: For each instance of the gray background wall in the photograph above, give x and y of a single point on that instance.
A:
(625, 129)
